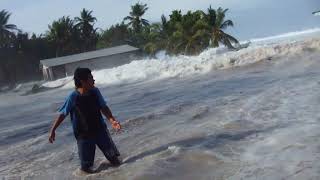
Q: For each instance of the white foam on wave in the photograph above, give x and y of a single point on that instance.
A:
(184, 66)
(291, 36)
(59, 82)
(174, 149)
(211, 59)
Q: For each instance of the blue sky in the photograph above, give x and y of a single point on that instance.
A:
(253, 18)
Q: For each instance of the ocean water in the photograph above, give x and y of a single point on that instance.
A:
(247, 114)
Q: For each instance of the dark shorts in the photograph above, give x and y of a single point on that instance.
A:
(87, 147)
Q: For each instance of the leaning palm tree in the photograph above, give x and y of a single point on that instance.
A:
(135, 19)
(217, 22)
(6, 30)
(85, 25)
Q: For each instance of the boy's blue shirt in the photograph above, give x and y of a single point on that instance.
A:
(69, 104)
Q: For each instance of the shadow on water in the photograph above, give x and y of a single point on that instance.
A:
(209, 142)
(24, 134)
(103, 166)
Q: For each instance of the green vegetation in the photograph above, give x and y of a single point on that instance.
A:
(6, 30)
(88, 36)
(179, 33)
(136, 22)
(188, 33)
(61, 33)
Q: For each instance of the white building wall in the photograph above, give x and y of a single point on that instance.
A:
(101, 63)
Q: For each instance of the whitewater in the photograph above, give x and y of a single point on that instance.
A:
(247, 114)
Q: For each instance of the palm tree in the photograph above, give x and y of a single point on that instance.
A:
(60, 33)
(6, 30)
(116, 35)
(155, 38)
(189, 35)
(85, 20)
(217, 22)
(135, 19)
(88, 34)
(176, 16)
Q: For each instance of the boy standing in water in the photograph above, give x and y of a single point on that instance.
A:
(85, 105)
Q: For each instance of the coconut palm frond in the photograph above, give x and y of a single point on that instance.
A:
(226, 23)
(135, 18)
(231, 38)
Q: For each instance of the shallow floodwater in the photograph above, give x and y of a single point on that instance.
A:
(255, 117)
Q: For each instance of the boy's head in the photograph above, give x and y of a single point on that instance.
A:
(83, 78)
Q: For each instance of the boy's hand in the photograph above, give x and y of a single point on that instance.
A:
(116, 125)
(52, 136)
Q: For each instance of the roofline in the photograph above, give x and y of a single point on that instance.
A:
(43, 62)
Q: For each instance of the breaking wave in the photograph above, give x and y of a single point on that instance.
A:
(209, 60)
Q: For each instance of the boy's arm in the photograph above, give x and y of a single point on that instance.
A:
(106, 111)
(108, 114)
(56, 123)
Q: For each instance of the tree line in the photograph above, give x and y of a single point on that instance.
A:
(179, 33)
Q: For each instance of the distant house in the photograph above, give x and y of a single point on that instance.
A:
(60, 67)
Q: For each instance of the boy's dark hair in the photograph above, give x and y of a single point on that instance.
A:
(81, 74)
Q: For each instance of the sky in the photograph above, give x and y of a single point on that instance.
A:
(252, 18)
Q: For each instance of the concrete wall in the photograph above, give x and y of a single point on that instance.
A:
(102, 62)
